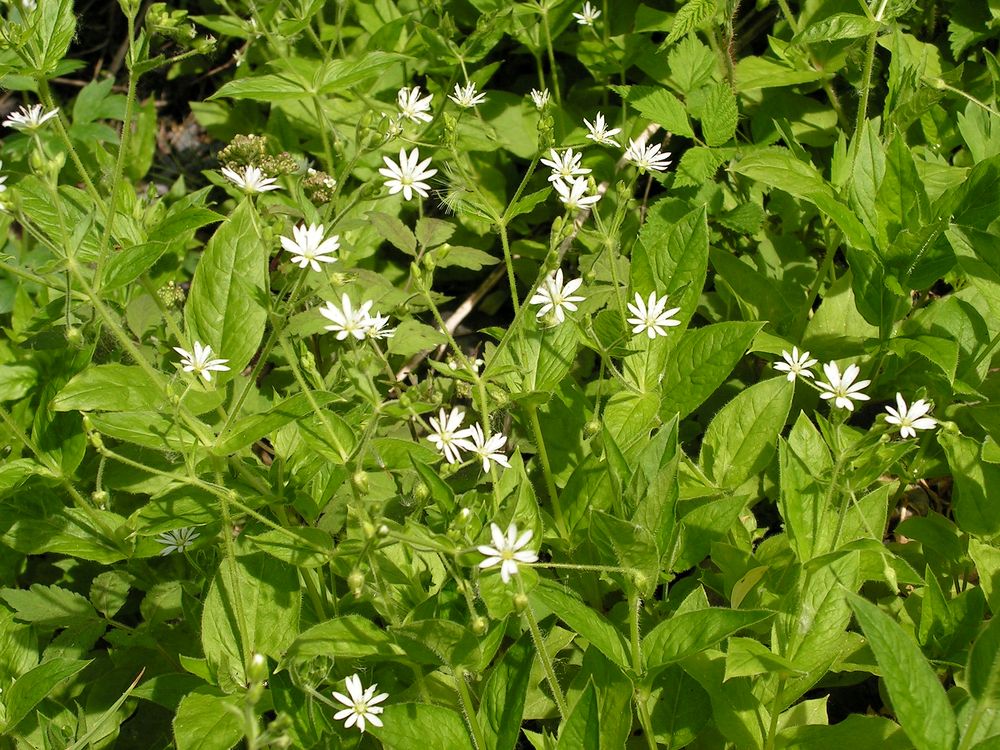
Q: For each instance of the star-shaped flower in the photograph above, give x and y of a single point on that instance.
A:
(540, 98)
(200, 361)
(347, 321)
(407, 176)
(29, 118)
(486, 448)
(177, 540)
(507, 551)
(912, 418)
(252, 180)
(574, 195)
(588, 16)
(309, 248)
(553, 295)
(600, 132)
(362, 705)
(566, 166)
(795, 364)
(466, 96)
(377, 327)
(448, 434)
(650, 316)
(412, 106)
(841, 387)
(647, 158)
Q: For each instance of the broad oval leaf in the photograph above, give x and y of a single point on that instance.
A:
(688, 633)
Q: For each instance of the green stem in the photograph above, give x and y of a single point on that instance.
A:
(293, 364)
(645, 720)
(866, 81)
(45, 94)
(633, 621)
(508, 258)
(553, 70)
(543, 657)
(550, 483)
(772, 729)
(470, 712)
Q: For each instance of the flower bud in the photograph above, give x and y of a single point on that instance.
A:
(382, 531)
(592, 428)
(356, 582)
(359, 480)
(421, 492)
(479, 625)
(520, 602)
(73, 335)
(257, 671)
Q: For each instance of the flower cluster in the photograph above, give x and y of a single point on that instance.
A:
(346, 321)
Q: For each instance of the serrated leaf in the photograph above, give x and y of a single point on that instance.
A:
(690, 17)
(719, 115)
(395, 231)
(227, 304)
(835, 27)
(662, 107)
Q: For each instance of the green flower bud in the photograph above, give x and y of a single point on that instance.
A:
(520, 602)
(359, 480)
(593, 427)
(480, 625)
(356, 582)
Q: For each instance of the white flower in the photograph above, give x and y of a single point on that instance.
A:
(588, 16)
(447, 436)
(910, 419)
(309, 248)
(574, 194)
(361, 705)
(565, 167)
(29, 118)
(650, 315)
(600, 132)
(345, 320)
(200, 362)
(795, 364)
(647, 158)
(466, 96)
(412, 106)
(540, 98)
(407, 175)
(177, 540)
(553, 295)
(3, 179)
(507, 550)
(842, 388)
(252, 180)
(486, 448)
(377, 329)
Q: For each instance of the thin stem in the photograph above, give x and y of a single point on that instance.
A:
(866, 81)
(772, 728)
(634, 605)
(645, 720)
(550, 483)
(553, 70)
(543, 656)
(45, 94)
(509, 261)
(470, 712)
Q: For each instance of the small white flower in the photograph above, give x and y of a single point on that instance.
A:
(447, 435)
(588, 16)
(540, 98)
(361, 704)
(600, 132)
(377, 329)
(555, 296)
(200, 362)
(486, 448)
(412, 107)
(842, 387)
(795, 364)
(574, 194)
(177, 540)
(29, 118)
(347, 321)
(393, 126)
(565, 167)
(650, 316)
(507, 551)
(647, 158)
(466, 96)
(912, 418)
(3, 179)
(309, 248)
(252, 180)
(407, 176)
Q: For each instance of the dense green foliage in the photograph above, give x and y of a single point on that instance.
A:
(311, 380)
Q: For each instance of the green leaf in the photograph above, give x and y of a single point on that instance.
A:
(464, 257)
(691, 16)
(207, 721)
(778, 168)
(109, 591)
(110, 388)
(16, 381)
(701, 362)
(661, 107)
(581, 618)
(339, 75)
(802, 460)
(918, 699)
(433, 232)
(976, 496)
(31, 687)
(837, 26)
(131, 263)
(719, 115)
(347, 637)
(227, 304)
(301, 546)
(983, 667)
(501, 707)
(266, 88)
(583, 726)
(741, 440)
(54, 32)
(49, 606)
(857, 732)
(421, 726)
(754, 73)
(265, 621)
(688, 633)
(538, 357)
(413, 336)
(395, 231)
(249, 430)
